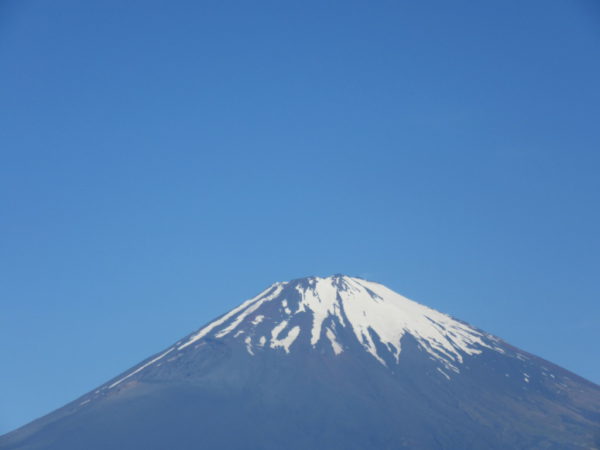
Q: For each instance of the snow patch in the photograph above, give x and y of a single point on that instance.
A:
(278, 329)
(258, 319)
(287, 341)
(248, 342)
(337, 348)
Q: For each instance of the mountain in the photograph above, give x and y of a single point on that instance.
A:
(329, 363)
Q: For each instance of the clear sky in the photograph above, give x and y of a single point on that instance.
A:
(163, 161)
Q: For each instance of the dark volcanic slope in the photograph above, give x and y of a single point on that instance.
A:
(330, 363)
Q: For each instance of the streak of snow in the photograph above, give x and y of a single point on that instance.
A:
(278, 329)
(443, 373)
(249, 310)
(142, 367)
(207, 329)
(248, 342)
(337, 348)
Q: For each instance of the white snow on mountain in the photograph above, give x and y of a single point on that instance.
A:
(370, 310)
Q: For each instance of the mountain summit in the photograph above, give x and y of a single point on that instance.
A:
(330, 363)
(339, 312)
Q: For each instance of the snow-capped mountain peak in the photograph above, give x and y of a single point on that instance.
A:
(336, 362)
(317, 310)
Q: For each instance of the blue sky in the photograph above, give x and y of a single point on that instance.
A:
(163, 161)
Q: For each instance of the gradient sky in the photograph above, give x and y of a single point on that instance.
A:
(163, 161)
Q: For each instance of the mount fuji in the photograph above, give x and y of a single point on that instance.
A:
(329, 363)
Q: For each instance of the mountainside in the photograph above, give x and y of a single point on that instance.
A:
(330, 363)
